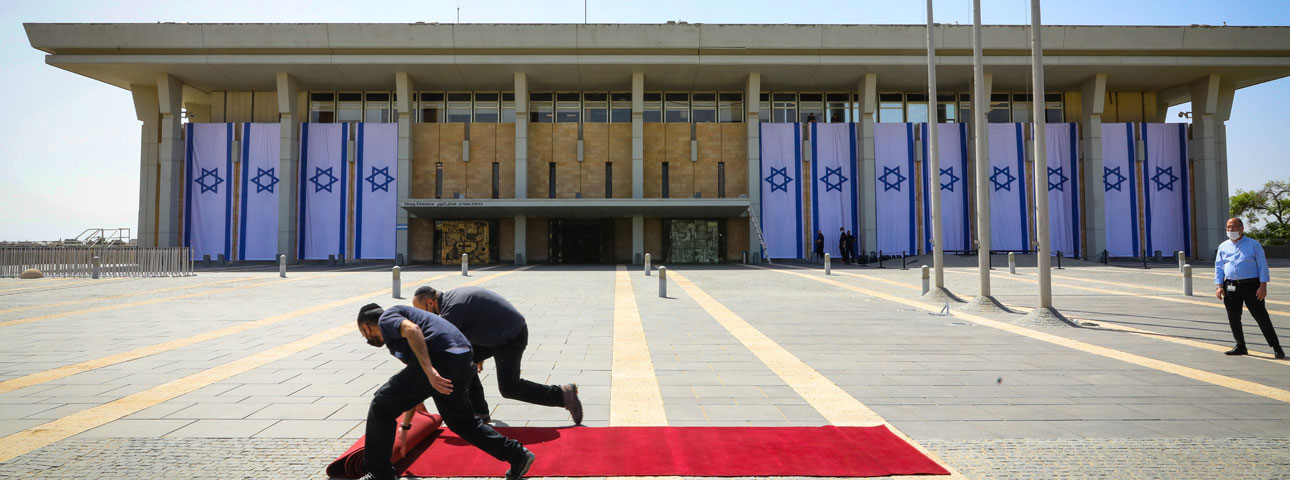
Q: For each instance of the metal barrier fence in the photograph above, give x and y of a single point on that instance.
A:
(112, 261)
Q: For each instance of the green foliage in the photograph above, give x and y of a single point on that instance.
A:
(1266, 212)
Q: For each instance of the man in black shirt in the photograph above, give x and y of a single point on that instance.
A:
(438, 365)
(496, 329)
(844, 247)
(819, 246)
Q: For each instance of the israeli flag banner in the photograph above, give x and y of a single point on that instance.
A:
(894, 183)
(323, 178)
(833, 189)
(956, 235)
(258, 230)
(1120, 190)
(1168, 192)
(1006, 179)
(781, 189)
(377, 192)
(208, 196)
(1063, 188)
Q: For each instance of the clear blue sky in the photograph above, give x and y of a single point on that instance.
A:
(69, 146)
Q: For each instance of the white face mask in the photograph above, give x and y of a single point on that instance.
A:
(1233, 235)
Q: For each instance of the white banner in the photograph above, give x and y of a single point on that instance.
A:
(1006, 179)
(833, 188)
(781, 189)
(1063, 189)
(208, 198)
(1120, 190)
(376, 202)
(956, 236)
(323, 177)
(1168, 195)
(894, 183)
(258, 234)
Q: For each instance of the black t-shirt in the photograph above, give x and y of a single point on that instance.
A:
(439, 334)
(486, 318)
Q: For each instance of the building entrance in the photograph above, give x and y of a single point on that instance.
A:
(581, 241)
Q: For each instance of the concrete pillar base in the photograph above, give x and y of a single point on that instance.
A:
(941, 295)
(984, 304)
(1045, 317)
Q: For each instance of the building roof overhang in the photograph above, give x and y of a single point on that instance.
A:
(577, 208)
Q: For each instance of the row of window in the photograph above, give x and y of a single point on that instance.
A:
(669, 107)
(551, 180)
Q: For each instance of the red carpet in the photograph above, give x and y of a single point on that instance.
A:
(424, 428)
(683, 451)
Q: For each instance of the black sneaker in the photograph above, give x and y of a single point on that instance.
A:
(520, 466)
(571, 402)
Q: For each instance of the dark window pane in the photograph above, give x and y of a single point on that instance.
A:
(351, 97)
(891, 97)
(566, 97)
(785, 97)
(1053, 115)
(665, 182)
(378, 97)
(651, 116)
(594, 97)
(620, 115)
(458, 97)
(1022, 97)
(609, 180)
(998, 115)
(676, 97)
(765, 97)
(721, 179)
(945, 97)
(620, 97)
(998, 97)
(508, 96)
(432, 97)
(704, 97)
(811, 97)
(837, 97)
(705, 115)
(485, 97)
(540, 97)
(916, 97)
(322, 97)
(1052, 97)
(496, 180)
(653, 97)
(551, 180)
(731, 97)
(597, 115)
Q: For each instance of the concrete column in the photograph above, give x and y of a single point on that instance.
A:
(170, 95)
(521, 143)
(987, 83)
(638, 135)
(289, 117)
(638, 239)
(752, 116)
(1211, 105)
(1093, 100)
(404, 90)
(521, 236)
(148, 112)
(868, 89)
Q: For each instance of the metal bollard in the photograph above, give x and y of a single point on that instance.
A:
(662, 282)
(1012, 263)
(207, 260)
(222, 260)
(902, 260)
(1059, 259)
(1157, 258)
(332, 258)
(465, 265)
(927, 279)
(1181, 261)
(647, 267)
(282, 266)
(1186, 272)
(880, 259)
(94, 273)
(828, 264)
(398, 283)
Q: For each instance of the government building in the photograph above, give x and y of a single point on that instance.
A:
(696, 143)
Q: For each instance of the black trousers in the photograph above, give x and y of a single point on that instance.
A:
(1245, 294)
(507, 357)
(410, 387)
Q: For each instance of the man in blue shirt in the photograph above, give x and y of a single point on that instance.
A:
(1241, 276)
(438, 365)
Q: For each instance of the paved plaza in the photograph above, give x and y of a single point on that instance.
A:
(237, 373)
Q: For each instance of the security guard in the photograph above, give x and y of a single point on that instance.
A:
(1241, 275)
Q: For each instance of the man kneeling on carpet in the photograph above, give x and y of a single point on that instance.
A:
(496, 329)
(439, 366)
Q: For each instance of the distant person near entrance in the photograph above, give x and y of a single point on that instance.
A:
(496, 329)
(819, 246)
(1241, 276)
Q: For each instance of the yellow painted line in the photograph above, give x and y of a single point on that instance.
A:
(73, 369)
(1192, 373)
(150, 301)
(634, 396)
(42, 435)
(1202, 284)
(125, 295)
(58, 283)
(834, 404)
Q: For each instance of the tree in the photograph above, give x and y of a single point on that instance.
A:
(1266, 210)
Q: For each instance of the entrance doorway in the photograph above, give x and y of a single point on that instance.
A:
(581, 241)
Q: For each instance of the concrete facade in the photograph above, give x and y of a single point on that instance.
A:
(265, 73)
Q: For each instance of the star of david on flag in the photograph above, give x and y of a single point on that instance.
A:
(318, 179)
(889, 184)
(264, 180)
(953, 179)
(1006, 172)
(833, 179)
(779, 179)
(383, 183)
(209, 185)
(1169, 179)
(1112, 179)
(1060, 185)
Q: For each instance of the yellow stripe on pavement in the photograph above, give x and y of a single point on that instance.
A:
(57, 283)
(834, 404)
(125, 295)
(634, 396)
(57, 430)
(1192, 373)
(1202, 284)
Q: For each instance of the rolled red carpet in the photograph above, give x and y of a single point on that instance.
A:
(686, 451)
(350, 463)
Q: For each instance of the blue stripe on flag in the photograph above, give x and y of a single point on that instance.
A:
(967, 233)
(241, 229)
(927, 202)
(855, 202)
(1021, 175)
(797, 165)
(1146, 194)
(358, 199)
(1133, 184)
(344, 181)
(228, 192)
(188, 187)
(1186, 187)
(303, 174)
(909, 151)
